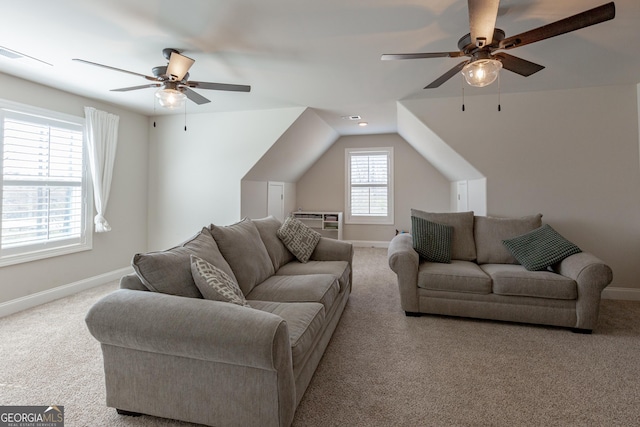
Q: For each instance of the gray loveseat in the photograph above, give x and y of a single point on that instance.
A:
(170, 353)
(483, 279)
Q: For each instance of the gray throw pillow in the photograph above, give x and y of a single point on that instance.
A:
(298, 238)
(463, 246)
(431, 240)
(242, 247)
(215, 284)
(169, 271)
(540, 248)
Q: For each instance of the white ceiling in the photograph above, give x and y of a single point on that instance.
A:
(321, 54)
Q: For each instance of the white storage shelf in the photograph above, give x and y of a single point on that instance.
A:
(329, 224)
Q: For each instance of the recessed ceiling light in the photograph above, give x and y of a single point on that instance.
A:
(362, 124)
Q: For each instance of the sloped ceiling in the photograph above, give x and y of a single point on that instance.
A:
(295, 151)
(425, 141)
(323, 55)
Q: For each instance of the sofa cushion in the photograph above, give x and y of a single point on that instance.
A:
(322, 288)
(431, 240)
(489, 232)
(459, 276)
(242, 247)
(278, 252)
(305, 321)
(463, 246)
(339, 269)
(515, 280)
(298, 238)
(169, 271)
(540, 248)
(215, 284)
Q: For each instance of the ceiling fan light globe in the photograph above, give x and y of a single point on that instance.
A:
(170, 98)
(481, 72)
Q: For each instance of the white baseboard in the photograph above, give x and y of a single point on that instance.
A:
(628, 294)
(369, 244)
(29, 301)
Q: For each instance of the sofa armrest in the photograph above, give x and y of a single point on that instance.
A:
(193, 328)
(329, 249)
(404, 261)
(591, 275)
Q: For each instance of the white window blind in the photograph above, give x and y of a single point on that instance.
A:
(44, 192)
(369, 189)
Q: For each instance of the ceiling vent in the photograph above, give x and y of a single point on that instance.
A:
(21, 57)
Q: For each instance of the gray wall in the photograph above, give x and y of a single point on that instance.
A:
(572, 155)
(195, 176)
(417, 184)
(126, 211)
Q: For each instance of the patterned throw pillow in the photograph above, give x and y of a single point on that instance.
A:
(215, 284)
(431, 240)
(298, 238)
(539, 249)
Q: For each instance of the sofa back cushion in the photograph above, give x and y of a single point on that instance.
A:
(491, 231)
(242, 247)
(278, 252)
(169, 271)
(463, 246)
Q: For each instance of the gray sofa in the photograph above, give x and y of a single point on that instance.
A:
(170, 353)
(483, 279)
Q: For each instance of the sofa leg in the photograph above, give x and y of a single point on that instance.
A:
(581, 331)
(128, 413)
(412, 314)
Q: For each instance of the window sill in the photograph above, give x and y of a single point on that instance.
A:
(36, 255)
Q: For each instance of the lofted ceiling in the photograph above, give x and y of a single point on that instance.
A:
(319, 54)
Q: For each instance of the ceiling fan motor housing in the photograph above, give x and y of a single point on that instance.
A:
(468, 47)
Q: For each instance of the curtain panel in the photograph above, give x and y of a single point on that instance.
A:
(101, 130)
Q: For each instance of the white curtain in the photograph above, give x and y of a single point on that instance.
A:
(102, 141)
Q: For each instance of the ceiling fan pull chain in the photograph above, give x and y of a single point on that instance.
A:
(462, 86)
(154, 111)
(185, 116)
(499, 107)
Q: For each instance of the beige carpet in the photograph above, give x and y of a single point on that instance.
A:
(381, 368)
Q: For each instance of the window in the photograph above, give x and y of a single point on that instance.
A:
(45, 203)
(369, 186)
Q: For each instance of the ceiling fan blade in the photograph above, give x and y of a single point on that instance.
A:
(446, 76)
(195, 97)
(581, 20)
(219, 86)
(179, 66)
(518, 65)
(395, 56)
(127, 89)
(482, 20)
(116, 69)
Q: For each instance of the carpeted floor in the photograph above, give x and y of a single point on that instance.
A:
(380, 369)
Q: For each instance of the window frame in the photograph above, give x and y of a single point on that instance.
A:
(52, 247)
(387, 219)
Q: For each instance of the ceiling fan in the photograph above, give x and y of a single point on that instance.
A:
(479, 45)
(173, 79)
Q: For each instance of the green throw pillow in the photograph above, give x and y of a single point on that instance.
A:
(541, 248)
(431, 240)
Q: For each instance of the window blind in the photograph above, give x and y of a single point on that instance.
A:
(42, 173)
(369, 184)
